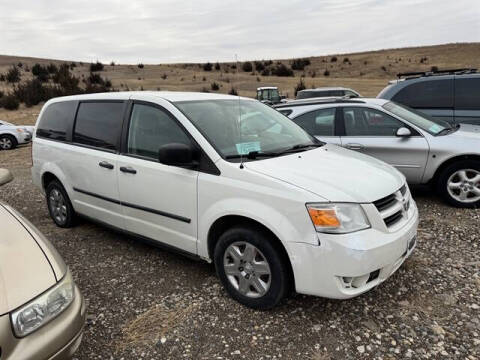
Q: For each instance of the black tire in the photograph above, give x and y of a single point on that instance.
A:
(9, 142)
(68, 220)
(280, 279)
(448, 172)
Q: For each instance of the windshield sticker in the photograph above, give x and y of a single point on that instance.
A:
(435, 128)
(247, 147)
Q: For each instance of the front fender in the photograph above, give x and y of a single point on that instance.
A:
(290, 225)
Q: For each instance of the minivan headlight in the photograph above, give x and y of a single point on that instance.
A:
(338, 218)
(44, 308)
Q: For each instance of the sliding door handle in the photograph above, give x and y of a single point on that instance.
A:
(105, 165)
(128, 170)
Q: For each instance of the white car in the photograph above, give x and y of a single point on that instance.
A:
(271, 206)
(12, 135)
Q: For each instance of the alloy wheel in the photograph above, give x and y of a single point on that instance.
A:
(58, 206)
(464, 185)
(6, 143)
(247, 269)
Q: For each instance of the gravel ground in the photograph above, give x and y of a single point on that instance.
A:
(144, 302)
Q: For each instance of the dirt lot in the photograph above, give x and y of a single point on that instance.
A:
(144, 302)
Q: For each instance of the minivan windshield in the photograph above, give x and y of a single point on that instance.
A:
(244, 127)
(417, 118)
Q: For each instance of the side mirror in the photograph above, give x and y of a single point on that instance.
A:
(5, 176)
(403, 132)
(177, 154)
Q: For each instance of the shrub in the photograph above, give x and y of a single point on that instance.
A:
(434, 69)
(68, 83)
(384, 68)
(2, 77)
(300, 86)
(313, 74)
(112, 63)
(141, 66)
(164, 76)
(1, 94)
(73, 65)
(365, 62)
(10, 102)
(299, 64)
(345, 60)
(233, 66)
(13, 75)
(95, 79)
(207, 67)
(333, 59)
(19, 64)
(52, 68)
(259, 66)
(265, 72)
(258, 79)
(204, 78)
(282, 70)
(215, 86)
(423, 60)
(33, 92)
(205, 90)
(247, 66)
(326, 73)
(98, 66)
(233, 92)
(217, 66)
(268, 62)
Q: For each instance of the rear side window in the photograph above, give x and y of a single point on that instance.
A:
(467, 94)
(56, 121)
(318, 122)
(99, 124)
(427, 94)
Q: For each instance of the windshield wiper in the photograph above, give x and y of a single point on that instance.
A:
(449, 130)
(300, 147)
(252, 155)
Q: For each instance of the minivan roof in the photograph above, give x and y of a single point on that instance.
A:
(172, 96)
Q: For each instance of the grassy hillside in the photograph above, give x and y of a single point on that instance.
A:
(366, 72)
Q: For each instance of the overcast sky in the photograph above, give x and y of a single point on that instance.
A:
(160, 31)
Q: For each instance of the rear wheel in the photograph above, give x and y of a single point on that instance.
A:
(253, 271)
(7, 142)
(59, 205)
(459, 184)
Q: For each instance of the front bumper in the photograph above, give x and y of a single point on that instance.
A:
(347, 265)
(58, 339)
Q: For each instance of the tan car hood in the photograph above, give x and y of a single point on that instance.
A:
(25, 271)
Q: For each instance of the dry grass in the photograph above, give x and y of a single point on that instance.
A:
(151, 326)
(362, 72)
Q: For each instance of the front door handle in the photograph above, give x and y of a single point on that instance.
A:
(128, 169)
(354, 146)
(106, 165)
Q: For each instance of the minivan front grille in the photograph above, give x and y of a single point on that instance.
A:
(394, 207)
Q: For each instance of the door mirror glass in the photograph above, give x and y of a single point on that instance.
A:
(177, 154)
(403, 132)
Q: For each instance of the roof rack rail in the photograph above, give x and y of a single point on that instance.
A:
(438, 72)
(316, 101)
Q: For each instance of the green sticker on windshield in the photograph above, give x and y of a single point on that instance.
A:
(435, 128)
(247, 147)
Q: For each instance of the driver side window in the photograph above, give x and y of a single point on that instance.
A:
(361, 121)
(150, 128)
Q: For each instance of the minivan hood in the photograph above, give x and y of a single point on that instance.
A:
(333, 173)
(25, 272)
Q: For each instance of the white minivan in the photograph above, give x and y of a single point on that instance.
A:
(228, 180)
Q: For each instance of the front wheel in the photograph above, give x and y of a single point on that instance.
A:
(253, 271)
(459, 184)
(7, 142)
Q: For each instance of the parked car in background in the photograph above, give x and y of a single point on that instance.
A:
(269, 95)
(12, 135)
(449, 95)
(42, 311)
(327, 92)
(228, 180)
(425, 150)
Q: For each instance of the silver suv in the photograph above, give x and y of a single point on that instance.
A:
(425, 150)
(450, 95)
